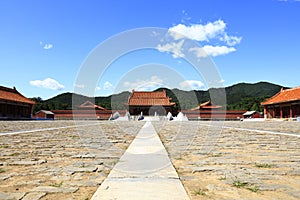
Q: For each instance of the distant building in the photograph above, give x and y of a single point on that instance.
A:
(252, 114)
(44, 114)
(86, 110)
(284, 104)
(90, 106)
(150, 103)
(13, 105)
(211, 111)
(208, 106)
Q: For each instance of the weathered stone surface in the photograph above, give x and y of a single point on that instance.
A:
(51, 189)
(230, 158)
(295, 193)
(212, 187)
(273, 187)
(60, 178)
(72, 170)
(205, 169)
(34, 196)
(88, 183)
(193, 141)
(12, 196)
(27, 162)
(5, 176)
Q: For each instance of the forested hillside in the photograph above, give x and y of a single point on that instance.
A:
(242, 96)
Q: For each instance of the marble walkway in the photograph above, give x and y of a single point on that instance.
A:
(143, 172)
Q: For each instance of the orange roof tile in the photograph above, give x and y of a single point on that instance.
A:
(139, 94)
(207, 105)
(13, 95)
(284, 96)
(149, 99)
(90, 105)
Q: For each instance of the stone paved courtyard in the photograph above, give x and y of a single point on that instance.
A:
(226, 163)
(212, 162)
(67, 163)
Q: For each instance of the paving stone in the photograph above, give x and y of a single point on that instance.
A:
(4, 177)
(34, 196)
(60, 178)
(78, 176)
(295, 193)
(212, 187)
(87, 183)
(273, 187)
(12, 196)
(27, 162)
(72, 170)
(295, 172)
(30, 182)
(205, 169)
(51, 189)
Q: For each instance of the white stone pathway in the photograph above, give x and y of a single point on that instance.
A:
(143, 172)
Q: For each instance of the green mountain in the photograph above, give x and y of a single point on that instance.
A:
(242, 96)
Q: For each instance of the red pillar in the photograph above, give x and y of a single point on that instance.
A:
(265, 112)
(281, 113)
(291, 112)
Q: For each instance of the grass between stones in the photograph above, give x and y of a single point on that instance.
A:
(15, 154)
(2, 170)
(199, 192)
(215, 155)
(251, 187)
(57, 184)
(239, 184)
(264, 165)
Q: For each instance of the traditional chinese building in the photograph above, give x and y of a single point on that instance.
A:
(252, 114)
(86, 110)
(44, 114)
(211, 111)
(90, 106)
(284, 104)
(150, 103)
(13, 105)
(208, 106)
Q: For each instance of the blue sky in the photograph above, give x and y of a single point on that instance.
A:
(44, 44)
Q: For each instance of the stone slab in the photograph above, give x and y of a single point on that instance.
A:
(141, 188)
(12, 196)
(143, 172)
(34, 196)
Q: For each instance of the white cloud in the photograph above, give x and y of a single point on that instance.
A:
(199, 52)
(218, 50)
(108, 86)
(211, 33)
(198, 32)
(47, 83)
(231, 40)
(191, 85)
(97, 88)
(209, 50)
(174, 48)
(144, 85)
(48, 46)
